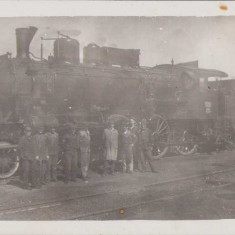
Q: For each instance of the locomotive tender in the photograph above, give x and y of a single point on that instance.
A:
(178, 100)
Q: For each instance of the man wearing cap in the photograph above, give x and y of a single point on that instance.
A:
(53, 150)
(128, 141)
(145, 143)
(71, 146)
(84, 145)
(111, 148)
(30, 165)
(41, 152)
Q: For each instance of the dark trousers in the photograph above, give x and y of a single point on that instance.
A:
(146, 156)
(53, 167)
(128, 158)
(136, 157)
(109, 164)
(45, 171)
(70, 165)
(31, 172)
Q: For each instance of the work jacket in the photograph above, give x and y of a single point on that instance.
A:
(128, 138)
(26, 148)
(84, 140)
(134, 130)
(53, 143)
(111, 144)
(40, 146)
(71, 142)
(145, 138)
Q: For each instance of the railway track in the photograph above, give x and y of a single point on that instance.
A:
(115, 211)
(96, 214)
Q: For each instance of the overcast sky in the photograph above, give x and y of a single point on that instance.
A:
(211, 40)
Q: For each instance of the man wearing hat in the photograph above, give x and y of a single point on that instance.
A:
(30, 165)
(145, 144)
(84, 145)
(41, 152)
(53, 150)
(111, 147)
(128, 141)
(71, 146)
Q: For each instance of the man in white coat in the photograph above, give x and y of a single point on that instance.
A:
(111, 148)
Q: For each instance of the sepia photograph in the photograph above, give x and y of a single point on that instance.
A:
(117, 118)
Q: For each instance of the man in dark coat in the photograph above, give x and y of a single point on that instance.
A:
(30, 164)
(41, 152)
(71, 146)
(85, 149)
(146, 145)
(128, 141)
(53, 150)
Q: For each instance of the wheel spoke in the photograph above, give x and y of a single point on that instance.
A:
(164, 128)
(166, 133)
(161, 132)
(157, 123)
(159, 127)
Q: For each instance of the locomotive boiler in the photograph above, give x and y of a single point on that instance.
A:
(177, 99)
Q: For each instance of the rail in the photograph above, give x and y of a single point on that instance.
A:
(61, 202)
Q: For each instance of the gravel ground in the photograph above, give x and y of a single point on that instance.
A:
(208, 197)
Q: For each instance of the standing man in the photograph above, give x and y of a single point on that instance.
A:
(136, 156)
(111, 148)
(30, 164)
(128, 139)
(71, 145)
(41, 152)
(85, 149)
(53, 150)
(145, 143)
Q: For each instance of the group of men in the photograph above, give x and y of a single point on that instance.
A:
(39, 155)
(39, 152)
(135, 147)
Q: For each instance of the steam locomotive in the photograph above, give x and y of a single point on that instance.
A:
(179, 101)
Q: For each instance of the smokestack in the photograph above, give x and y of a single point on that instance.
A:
(24, 37)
